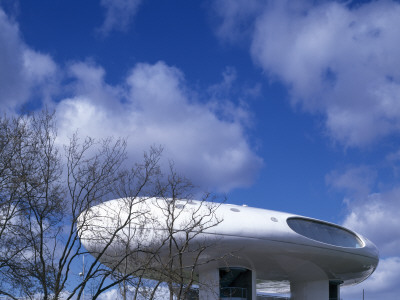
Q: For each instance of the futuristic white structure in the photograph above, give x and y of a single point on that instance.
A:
(313, 257)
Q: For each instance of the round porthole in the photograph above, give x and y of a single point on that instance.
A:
(273, 219)
(235, 209)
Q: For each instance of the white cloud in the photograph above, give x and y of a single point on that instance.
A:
(339, 62)
(23, 72)
(38, 66)
(376, 217)
(236, 17)
(154, 107)
(383, 283)
(356, 181)
(12, 79)
(119, 14)
(112, 294)
(370, 213)
(229, 77)
(220, 95)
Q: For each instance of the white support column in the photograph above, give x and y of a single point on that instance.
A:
(254, 285)
(310, 290)
(209, 283)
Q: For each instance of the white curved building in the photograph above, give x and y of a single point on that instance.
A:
(269, 249)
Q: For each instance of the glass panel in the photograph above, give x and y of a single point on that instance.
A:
(324, 232)
(235, 283)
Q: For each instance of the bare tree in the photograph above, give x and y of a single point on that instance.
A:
(39, 204)
(173, 241)
(48, 201)
(186, 223)
(14, 140)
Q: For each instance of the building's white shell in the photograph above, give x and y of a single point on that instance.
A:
(262, 241)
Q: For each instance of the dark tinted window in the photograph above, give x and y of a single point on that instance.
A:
(324, 232)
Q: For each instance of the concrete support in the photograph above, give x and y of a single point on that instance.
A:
(310, 290)
(209, 283)
(253, 285)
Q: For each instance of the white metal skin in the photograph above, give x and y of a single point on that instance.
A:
(262, 241)
(276, 252)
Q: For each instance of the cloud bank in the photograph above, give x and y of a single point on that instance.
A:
(339, 62)
(158, 108)
(383, 283)
(374, 215)
(24, 73)
(153, 105)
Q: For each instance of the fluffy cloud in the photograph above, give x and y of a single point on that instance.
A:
(338, 61)
(119, 14)
(24, 73)
(372, 214)
(154, 106)
(110, 295)
(375, 216)
(342, 63)
(12, 79)
(237, 18)
(383, 283)
(356, 181)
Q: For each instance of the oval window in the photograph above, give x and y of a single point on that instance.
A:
(325, 232)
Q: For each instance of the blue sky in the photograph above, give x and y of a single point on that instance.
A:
(292, 106)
